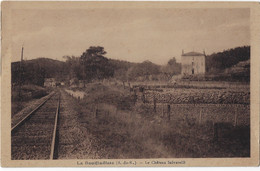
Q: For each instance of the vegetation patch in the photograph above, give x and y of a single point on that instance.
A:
(22, 97)
(140, 132)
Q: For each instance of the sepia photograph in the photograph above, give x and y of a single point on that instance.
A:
(103, 82)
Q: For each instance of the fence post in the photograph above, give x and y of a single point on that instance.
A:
(129, 86)
(215, 131)
(154, 104)
(141, 89)
(143, 97)
(200, 116)
(96, 112)
(135, 97)
(163, 111)
(235, 119)
(169, 111)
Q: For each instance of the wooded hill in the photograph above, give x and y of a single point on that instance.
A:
(218, 62)
(92, 65)
(231, 65)
(36, 70)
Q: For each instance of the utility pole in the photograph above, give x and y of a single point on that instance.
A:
(21, 74)
(84, 72)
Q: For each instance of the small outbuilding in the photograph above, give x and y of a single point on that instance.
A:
(49, 82)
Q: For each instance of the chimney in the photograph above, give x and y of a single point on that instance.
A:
(204, 52)
(182, 51)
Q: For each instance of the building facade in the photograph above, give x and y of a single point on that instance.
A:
(49, 82)
(193, 63)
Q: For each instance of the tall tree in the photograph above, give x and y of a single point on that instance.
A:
(172, 68)
(74, 67)
(95, 65)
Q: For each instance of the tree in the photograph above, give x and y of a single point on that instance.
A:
(95, 65)
(172, 68)
(143, 69)
(172, 61)
(74, 67)
(96, 51)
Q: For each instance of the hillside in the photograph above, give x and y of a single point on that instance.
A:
(240, 71)
(226, 65)
(218, 62)
(36, 70)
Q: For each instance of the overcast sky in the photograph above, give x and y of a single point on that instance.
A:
(128, 34)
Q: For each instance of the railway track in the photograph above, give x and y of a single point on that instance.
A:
(35, 136)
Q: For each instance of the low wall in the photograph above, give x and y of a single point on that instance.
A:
(207, 96)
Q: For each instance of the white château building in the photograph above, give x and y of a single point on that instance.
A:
(193, 63)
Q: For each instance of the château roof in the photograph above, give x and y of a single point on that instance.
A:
(193, 54)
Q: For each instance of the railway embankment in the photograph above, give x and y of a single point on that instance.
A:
(34, 137)
(75, 141)
(29, 107)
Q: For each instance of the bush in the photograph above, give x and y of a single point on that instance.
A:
(28, 92)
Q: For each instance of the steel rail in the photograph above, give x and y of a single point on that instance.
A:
(22, 121)
(54, 143)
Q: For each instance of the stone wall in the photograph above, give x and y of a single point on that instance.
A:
(199, 96)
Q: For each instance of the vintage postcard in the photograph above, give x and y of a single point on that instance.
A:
(94, 84)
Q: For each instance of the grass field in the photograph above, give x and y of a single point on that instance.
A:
(129, 129)
(28, 94)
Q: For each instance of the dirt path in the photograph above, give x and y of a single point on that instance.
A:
(75, 142)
